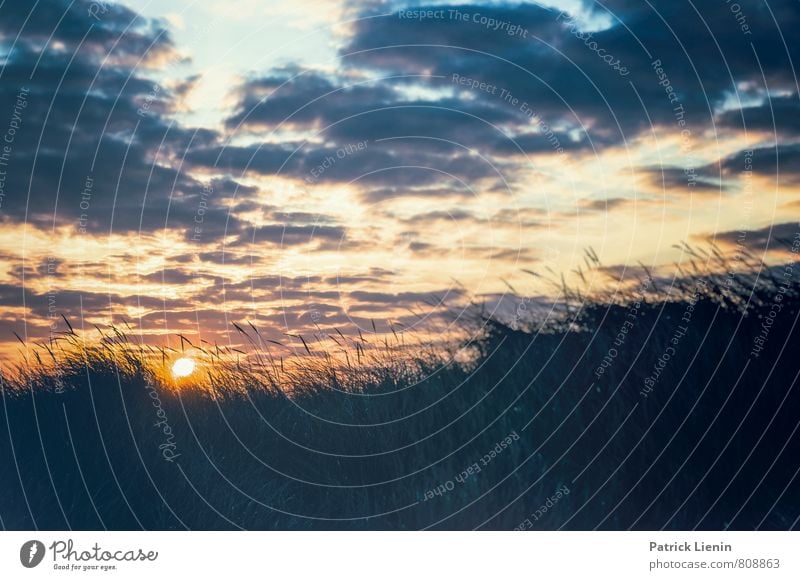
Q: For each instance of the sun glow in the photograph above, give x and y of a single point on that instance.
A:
(183, 367)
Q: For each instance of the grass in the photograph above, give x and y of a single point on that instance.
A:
(358, 435)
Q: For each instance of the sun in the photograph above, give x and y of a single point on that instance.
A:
(183, 367)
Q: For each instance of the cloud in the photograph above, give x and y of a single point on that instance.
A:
(295, 96)
(94, 146)
(712, 40)
(454, 215)
(549, 71)
(563, 72)
(682, 181)
(774, 238)
(407, 163)
(406, 298)
(779, 116)
(780, 162)
(604, 205)
(290, 235)
(509, 80)
(383, 194)
(87, 25)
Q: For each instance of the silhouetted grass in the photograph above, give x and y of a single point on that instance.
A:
(359, 435)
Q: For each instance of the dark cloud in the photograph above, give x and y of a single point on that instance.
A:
(94, 145)
(407, 298)
(680, 180)
(412, 162)
(292, 97)
(546, 140)
(11, 295)
(603, 205)
(549, 72)
(556, 68)
(454, 215)
(346, 110)
(383, 194)
(779, 116)
(780, 162)
(355, 280)
(387, 128)
(170, 276)
(718, 42)
(549, 87)
(90, 26)
(295, 235)
(527, 255)
(777, 237)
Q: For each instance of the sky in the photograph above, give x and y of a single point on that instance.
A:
(181, 166)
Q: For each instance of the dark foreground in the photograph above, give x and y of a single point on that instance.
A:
(673, 414)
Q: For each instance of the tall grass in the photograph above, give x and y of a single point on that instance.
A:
(363, 434)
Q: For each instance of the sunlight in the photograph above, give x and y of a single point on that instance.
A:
(183, 367)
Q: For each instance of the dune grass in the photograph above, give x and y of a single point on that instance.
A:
(576, 420)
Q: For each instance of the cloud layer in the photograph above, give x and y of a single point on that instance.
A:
(447, 144)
